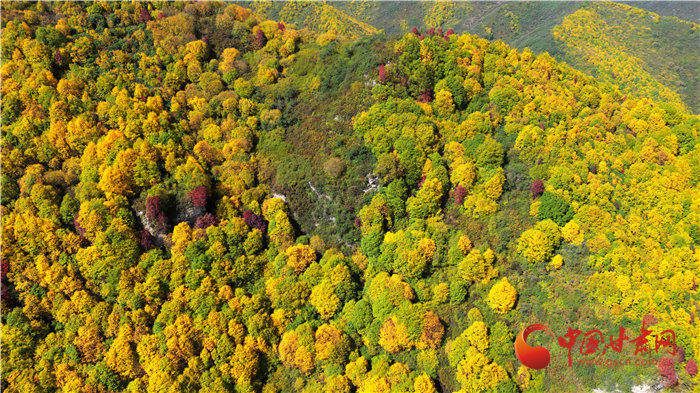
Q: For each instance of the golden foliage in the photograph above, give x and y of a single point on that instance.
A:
(502, 296)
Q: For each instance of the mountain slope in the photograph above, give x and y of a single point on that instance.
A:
(319, 17)
(198, 199)
(622, 45)
(641, 49)
(685, 10)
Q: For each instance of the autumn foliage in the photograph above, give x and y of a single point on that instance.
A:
(197, 199)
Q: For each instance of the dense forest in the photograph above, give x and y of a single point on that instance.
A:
(198, 199)
(649, 49)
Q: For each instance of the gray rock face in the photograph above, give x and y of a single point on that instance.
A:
(372, 183)
(151, 227)
(189, 214)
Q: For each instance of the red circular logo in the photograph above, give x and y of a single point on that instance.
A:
(533, 357)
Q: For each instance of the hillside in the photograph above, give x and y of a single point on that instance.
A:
(622, 45)
(642, 49)
(685, 10)
(195, 198)
(319, 17)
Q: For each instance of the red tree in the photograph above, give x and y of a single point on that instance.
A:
(199, 196)
(255, 221)
(5, 267)
(153, 207)
(145, 16)
(146, 239)
(206, 221)
(691, 367)
(6, 295)
(426, 96)
(667, 371)
(649, 319)
(382, 74)
(460, 193)
(155, 213)
(680, 353)
(260, 39)
(57, 58)
(537, 188)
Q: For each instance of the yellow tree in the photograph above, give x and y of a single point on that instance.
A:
(533, 245)
(299, 257)
(121, 356)
(502, 296)
(478, 337)
(90, 342)
(330, 343)
(181, 341)
(424, 384)
(571, 232)
(119, 178)
(432, 332)
(294, 354)
(244, 363)
(324, 300)
(476, 374)
(393, 336)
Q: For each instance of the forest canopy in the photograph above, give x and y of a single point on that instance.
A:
(198, 199)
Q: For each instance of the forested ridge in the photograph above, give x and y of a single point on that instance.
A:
(197, 199)
(648, 49)
(621, 45)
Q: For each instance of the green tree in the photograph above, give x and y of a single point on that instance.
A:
(554, 207)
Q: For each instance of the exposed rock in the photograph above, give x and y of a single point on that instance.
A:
(372, 183)
(188, 212)
(151, 226)
(280, 196)
(318, 194)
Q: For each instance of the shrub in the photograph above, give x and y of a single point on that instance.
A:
(556, 208)
(667, 370)
(458, 292)
(537, 188)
